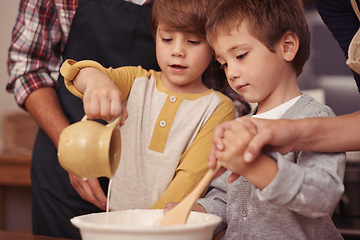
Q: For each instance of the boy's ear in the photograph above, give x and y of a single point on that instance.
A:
(290, 45)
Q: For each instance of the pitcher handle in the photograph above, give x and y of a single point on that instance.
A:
(114, 123)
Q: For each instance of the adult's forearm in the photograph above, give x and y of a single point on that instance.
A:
(44, 107)
(318, 134)
(333, 134)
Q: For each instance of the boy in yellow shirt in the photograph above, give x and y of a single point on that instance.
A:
(168, 116)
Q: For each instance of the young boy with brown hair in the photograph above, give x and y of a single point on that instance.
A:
(263, 46)
(171, 114)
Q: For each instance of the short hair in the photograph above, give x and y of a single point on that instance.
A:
(182, 15)
(268, 21)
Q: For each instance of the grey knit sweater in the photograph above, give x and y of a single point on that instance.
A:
(297, 204)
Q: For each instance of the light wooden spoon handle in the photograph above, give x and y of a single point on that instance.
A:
(180, 213)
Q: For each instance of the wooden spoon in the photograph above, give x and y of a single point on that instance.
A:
(180, 213)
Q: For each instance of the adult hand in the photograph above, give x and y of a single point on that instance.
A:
(221, 128)
(89, 190)
(272, 135)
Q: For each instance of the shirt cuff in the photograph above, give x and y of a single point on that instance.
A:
(23, 86)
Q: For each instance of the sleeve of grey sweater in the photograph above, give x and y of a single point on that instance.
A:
(309, 183)
(311, 187)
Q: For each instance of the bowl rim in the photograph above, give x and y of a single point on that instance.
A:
(79, 223)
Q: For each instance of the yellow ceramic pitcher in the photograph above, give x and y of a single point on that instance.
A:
(90, 149)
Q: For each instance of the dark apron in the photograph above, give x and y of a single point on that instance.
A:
(114, 33)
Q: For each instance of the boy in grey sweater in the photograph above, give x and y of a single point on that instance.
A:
(263, 46)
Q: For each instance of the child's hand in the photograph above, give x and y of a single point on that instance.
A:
(218, 143)
(213, 162)
(102, 98)
(235, 138)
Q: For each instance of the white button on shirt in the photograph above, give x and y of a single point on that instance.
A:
(162, 123)
(172, 99)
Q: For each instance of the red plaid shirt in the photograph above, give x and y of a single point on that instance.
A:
(38, 39)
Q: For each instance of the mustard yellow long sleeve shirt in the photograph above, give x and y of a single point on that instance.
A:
(166, 139)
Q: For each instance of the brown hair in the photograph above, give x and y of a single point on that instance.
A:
(182, 15)
(268, 21)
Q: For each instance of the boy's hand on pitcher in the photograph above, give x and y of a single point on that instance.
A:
(102, 98)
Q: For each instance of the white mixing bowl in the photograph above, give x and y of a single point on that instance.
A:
(139, 225)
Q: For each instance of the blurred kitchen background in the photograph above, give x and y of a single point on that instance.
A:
(325, 76)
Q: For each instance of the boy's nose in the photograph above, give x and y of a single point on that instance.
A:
(232, 73)
(178, 50)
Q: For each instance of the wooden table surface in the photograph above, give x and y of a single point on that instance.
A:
(24, 236)
(15, 165)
